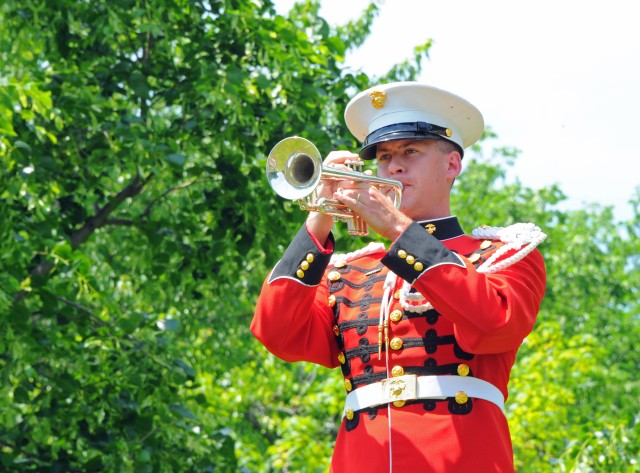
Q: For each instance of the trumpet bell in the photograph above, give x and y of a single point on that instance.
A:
(294, 168)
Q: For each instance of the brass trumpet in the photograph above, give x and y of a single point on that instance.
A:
(294, 170)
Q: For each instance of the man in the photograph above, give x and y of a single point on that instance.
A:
(426, 331)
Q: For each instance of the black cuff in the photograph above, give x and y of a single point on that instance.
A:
(415, 252)
(303, 261)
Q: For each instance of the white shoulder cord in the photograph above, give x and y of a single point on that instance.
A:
(406, 296)
(385, 306)
(370, 248)
(514, 237)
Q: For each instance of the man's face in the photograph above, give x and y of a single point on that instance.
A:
(425, 171)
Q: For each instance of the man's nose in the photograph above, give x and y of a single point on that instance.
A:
(395, 166)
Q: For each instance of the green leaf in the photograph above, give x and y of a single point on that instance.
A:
(183, 411)
(168, 324)
(139, 84)
(22, 145)
(177, 159)
(21, 395)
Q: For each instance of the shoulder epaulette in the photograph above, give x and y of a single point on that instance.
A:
(522, 237)
(371, 248)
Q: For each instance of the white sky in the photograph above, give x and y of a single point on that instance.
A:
(557, 79)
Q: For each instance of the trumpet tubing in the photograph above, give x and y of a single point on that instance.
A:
(294, 171)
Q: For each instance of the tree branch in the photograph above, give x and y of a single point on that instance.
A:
(84, 309)
(253, 420)
(125, 222)
(100, 219)
(147, 210)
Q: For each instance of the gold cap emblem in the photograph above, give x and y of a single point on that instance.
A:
(378, 98)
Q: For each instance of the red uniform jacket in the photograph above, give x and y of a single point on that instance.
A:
(329, 314)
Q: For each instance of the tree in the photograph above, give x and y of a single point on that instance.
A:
(135, 220)
(568, 407)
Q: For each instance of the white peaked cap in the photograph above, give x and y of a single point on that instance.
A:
(411, 110)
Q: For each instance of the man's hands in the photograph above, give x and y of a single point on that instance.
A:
(375, 208)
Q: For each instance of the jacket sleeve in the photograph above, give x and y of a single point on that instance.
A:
(491, 313)
(293, 319)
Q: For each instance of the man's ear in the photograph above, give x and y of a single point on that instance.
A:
(454, 161)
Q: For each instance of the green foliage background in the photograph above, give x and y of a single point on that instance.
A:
(137, 227)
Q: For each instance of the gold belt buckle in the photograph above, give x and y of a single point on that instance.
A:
(400, 388)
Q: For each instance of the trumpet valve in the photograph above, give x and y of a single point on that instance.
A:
(354, 164)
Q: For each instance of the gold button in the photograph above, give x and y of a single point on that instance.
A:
(463, 370)
(396, 315)
(411, 259)
(485, 244)
(349, 413)
(396, 295)
(474, 257)
(341, 358)
(461, 397)
(402, 254)
(300, 273)
(340, 264)
(399, 403)
(336, 330)
(347, 385)
(310, 258)
(331, 300)
(396, 343)
(333, 276)
(418, 266)
(304, 265)
(397, 371)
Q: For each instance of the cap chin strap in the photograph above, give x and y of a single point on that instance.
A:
(420, 128)
(406, 131)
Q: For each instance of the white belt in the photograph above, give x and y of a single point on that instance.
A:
(411, 387)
